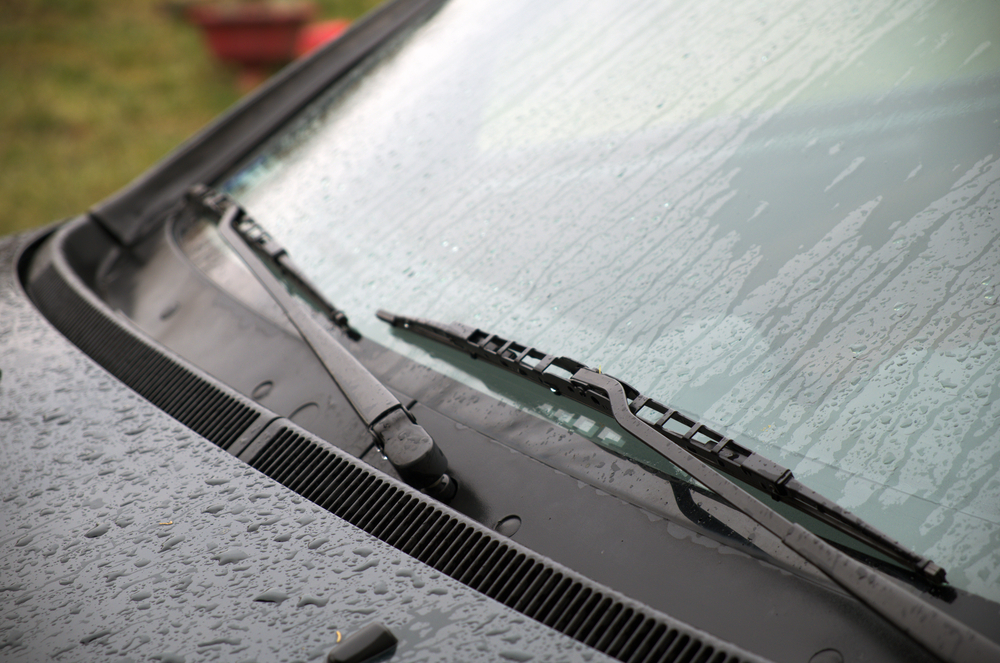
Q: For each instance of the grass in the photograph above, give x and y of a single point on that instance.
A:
(96, 91)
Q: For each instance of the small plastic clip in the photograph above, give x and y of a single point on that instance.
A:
(363, 645)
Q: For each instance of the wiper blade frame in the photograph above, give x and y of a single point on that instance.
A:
(941, 634)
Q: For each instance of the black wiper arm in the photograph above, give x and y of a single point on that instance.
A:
(408, 447)
(939, 633)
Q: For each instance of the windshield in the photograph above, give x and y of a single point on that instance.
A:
(782, 218)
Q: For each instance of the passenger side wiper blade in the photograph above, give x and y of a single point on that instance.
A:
(939, 633)
(406, 445)
(710, 446)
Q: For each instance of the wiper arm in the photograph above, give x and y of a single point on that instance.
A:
(694, 450)
(406, 445)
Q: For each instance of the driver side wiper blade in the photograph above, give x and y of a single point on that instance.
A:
(717, 450)
(939, 633)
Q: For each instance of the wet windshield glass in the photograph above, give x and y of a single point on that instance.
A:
(782, 218)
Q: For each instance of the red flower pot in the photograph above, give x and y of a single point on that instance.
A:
(315, 35)
(254, 34)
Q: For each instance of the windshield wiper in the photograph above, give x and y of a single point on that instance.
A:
(407, 446)
(710, 446)
(697, 448)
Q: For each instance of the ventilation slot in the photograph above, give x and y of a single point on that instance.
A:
(478, 558)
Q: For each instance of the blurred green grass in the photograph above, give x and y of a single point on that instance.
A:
(93, 92)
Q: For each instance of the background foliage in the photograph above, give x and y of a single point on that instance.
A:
(93, 92)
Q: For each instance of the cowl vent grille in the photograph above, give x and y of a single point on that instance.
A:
(474, 556)
(391, 511)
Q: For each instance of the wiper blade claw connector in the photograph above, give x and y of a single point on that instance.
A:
(713, 447)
